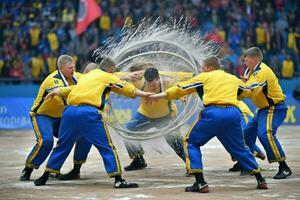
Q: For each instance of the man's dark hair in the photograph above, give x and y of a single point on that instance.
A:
(151, 74)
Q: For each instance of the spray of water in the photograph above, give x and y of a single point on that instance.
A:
(172, 36)
(170, 46)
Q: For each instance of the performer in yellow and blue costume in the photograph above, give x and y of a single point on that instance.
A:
(221, 117)
(155, 114)
(46, 114)
(268, 97)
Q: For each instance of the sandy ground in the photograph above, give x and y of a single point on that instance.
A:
(163, 178)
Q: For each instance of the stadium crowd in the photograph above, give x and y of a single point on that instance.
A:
(35, 32)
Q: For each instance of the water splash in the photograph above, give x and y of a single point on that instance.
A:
(170, 46)
(149, 35)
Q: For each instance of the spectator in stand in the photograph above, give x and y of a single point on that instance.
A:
(37, 66)
(16, 70)
(287, 70)
(260, 35)
(34, 34)
(53, 40)
(282, 26)
(234, 39)
(51, 62)
(68, 14)
(292, 41)
(105, 22)
(281, 56)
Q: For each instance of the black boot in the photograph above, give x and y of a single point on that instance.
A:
(261, 182)
(196, 187)
(26, 174)
(121, 183)
(136, 164)
(283, 173)
(235, 168)
(42, 180)
(71, 175)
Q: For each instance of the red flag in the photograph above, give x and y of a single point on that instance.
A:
(89, 10)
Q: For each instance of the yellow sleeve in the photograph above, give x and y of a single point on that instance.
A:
(122, 87)
(184, 88)
(243, 91)
(65, 91)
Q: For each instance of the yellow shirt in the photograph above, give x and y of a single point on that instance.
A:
(105, 23)
(245, 111)
(67, 16)
(222, 34)
(216, 87)
(128, 22)
(260, 35)
(1, 66)
(51, 62)
(287, 70)
(291, 41)
(161, 107)
(53, 41)
(265, 89)
(94, 89)
(37, 65)
(52, 107)
(34, 36)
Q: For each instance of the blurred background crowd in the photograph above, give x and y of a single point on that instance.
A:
(34, 32)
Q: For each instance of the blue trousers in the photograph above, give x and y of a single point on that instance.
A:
(45, 128)
(82, 149)
(139, 122)
(225, 124)
(86, 122)
(264, 126)
(244, 125)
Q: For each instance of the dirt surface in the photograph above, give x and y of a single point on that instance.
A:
(164, 178)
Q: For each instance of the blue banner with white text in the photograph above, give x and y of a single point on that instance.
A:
(14, 112)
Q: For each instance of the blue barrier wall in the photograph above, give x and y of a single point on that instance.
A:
(14, 111)
(29, 90)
